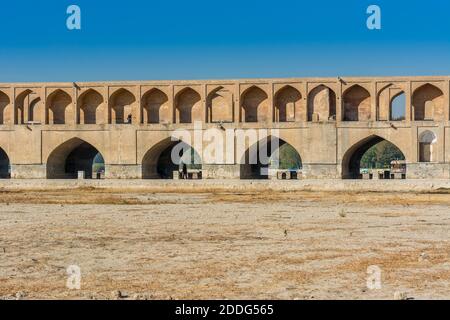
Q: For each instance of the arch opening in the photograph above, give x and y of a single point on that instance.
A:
(321, 104)
(254, 105)
(374, 158)
(159, 164)
(287, 103)
(219, 106)
(356, 104)
(155, 108)
(5, 167)
(428, 103)
(75, 156)
(90, 107)
(426, 141)
(188, 106)
(59, 110)
(121, 107)
(268, 156)
(4, 108)
(397, 110)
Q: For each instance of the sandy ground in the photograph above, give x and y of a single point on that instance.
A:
(223, 244)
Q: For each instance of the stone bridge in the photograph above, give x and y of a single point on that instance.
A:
(48, 129)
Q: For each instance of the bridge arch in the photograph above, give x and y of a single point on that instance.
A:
(19, 114)
(121, 104)
(155, 107)
(254, 105)
(188, 106)
(219, 104)
(427, 141)
(5, 105)
(260, 158)
(428, 103)
(59, 107)
(357, 106)
(72, 156)
(157, 162)
(351, 161)
(5, 166)
(287, 104)
(91, 107)
(321, 104)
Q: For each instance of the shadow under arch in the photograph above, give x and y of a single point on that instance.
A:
(72, 156)
(157, 163)
(261, 157)
(351, 161)
(5, 167)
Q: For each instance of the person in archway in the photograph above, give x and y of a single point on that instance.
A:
(129, 119)
(185, 173)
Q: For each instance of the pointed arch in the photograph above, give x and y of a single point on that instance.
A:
(219, 105)
(254, 105)
(188, 106)
(157, 162)
(155, 107)
(266, 155)
(397, 107)
(60, 108)
(321, 104)
(428, 103)
(72, 156)
(5, 166)
(21, 106)
(391, 103)
(121, 105)
(5, 108)
(91, 104)
(351, 161)
(357, 105)
(287, 104)
(427, 140)
(36, 110)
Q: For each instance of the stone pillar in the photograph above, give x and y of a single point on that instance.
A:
(204, 106)
(26, 109)
(137, 114)
(76, 111)
(447, 100)
(339, 103)
(12, 111)
(108, 119)
(374, 101)
(44, 115)
(304, 103)
(270, 101)
(408, 103)
(171, 103)
(237, 104)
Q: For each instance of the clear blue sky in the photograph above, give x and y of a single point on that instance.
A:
(199, 39)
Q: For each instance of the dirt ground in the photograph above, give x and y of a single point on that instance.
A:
(223, 245)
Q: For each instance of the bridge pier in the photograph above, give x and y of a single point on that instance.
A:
(123, 171)
(28, 171)
(428, 171)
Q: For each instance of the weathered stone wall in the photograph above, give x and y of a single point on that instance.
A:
(325, 120)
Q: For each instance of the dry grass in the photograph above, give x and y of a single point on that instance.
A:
(218, 244)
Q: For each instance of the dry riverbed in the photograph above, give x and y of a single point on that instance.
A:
(222, 244)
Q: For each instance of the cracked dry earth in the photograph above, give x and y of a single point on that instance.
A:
(222, 245)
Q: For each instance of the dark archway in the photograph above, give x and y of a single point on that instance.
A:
(158, 163)
(263, 156)
(5, 168)
(73, 156)
(369, 154)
